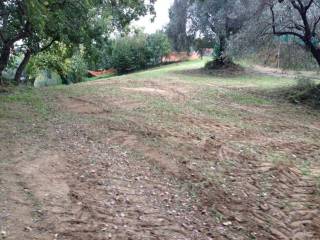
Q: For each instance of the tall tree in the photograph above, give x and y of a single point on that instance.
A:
(177, 27)
(218, 20)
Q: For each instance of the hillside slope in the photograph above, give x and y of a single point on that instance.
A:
(169, 153)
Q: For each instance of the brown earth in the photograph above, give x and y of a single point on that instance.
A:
(109, 166)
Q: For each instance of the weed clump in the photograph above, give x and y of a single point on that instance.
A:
(306, 91)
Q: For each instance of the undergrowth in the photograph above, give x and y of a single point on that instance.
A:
(307, 91)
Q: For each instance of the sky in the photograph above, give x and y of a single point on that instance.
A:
(162, 9)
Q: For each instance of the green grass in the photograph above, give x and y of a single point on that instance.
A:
(27, 100)
(248, 99)
(182, 72)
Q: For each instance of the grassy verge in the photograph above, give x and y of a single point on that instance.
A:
(23, 102)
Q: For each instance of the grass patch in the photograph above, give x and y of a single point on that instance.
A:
(247, 99)
(278, 158)
(23, 101)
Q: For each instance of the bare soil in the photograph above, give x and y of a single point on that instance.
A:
(110, 165)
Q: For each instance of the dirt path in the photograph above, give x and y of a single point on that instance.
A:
(276, 72)
(145, 160)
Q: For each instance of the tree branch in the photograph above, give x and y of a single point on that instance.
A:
(281, 33)
(44, 48)
(309, 5)
(315, 26)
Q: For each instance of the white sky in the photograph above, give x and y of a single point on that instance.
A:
(162, 9)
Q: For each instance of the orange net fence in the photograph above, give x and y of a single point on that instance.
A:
(102, 72)
(180, 56)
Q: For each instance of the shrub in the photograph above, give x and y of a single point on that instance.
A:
(158, 45)
(77, 68)
(306, 91)
(131, 53)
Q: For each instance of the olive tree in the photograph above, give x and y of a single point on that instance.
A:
(218, 20)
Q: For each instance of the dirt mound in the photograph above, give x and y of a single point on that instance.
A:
(216, 68)
(223, 66)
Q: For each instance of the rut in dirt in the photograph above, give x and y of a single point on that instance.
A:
(90, 190)
(96, 178)
(262, 201)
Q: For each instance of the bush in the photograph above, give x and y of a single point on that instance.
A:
(158, 45)
(77, 69)
(139, 51)
(306, 91)
(305, 84)
(129, 54)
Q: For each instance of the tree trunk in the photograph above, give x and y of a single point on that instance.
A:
(223, 46)
(315, 53)
(4, 59)
(22, 66)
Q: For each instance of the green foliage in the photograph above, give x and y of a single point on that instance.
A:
(177, 27)
(55, 60)
(67, 62)
(47, 78)
(158, 46)
(200, 44)
(36, 24)
(139, 51)
(11, 67)
(77, 69)
(98, 55)
(129, 53)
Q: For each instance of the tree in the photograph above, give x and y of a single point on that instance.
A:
(177, 27)
(139, 51)
(158, 46)
(31, 48)
(129, 53)
(37, 23)
(299, 19)
(14, 26)
(33, 23)
(218, 20)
